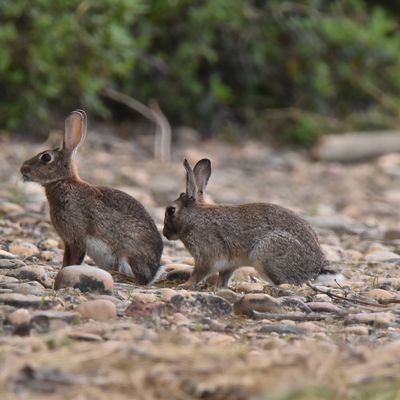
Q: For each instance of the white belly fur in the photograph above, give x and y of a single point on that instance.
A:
(104, 258)
(100, 253)
(224, 264)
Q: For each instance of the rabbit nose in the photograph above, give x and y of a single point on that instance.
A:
(25, 169)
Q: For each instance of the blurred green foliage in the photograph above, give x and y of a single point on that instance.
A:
(294, 70)
(55, 55)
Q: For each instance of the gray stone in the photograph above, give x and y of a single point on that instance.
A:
(21, 300)
(23, 249)
(11, 263)
(377, 319)
(281, 329)
(323, 306)
(201, 303)
(66, 316)
(249, 287)
(32, 273)
(85, 278)
(7, 255)
(256, 302)
(228, 295)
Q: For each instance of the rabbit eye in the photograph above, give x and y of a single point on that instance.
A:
(171, 211)
(46, 158)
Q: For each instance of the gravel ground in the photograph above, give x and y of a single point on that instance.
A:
(251, 340)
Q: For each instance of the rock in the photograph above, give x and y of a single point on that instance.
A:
(21, 300)
(359, 330)
(201, 303)
(392, 234)
(357, 146)
(353, 255)
(10, 264)
(281, 329)
(293, 303)
(221, 339)
(388, 282)
(7, 255)
(382, 256)
(48, 244)
(337, 224)
(66, 316)
(322, 306)
(245, 274)
(7, 207)
(142, 308)
(179, 319)
(377, 319)
(177, 267)
(380, 294)
(32, 273)
(167, 294)
(322, 297)
(332, 253)
(256, 302)
(249, 287)
(179, 275)
(32, 287)
(228, 295)
(376, 247)
(23, 249)
(47, 255)
(85, 278)
(19, 317)
(99, 310)
(85, 336)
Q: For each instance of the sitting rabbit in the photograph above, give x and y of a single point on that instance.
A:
(277, 242)
(110, 226)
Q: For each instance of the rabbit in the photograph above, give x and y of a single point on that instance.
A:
(277, 242)
(113, 228)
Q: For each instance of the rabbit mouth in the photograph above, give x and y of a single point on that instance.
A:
(169, 234)
(26, 178)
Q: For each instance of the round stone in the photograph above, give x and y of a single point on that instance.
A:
(98, 310)
(256, 302)
(85, 278)
(19, 317)
(23, 249)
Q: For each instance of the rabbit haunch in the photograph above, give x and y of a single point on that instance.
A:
(110, 226)
(276, 241)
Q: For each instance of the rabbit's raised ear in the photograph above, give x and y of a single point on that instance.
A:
(75, 130)
(190, 180)
(202, 173)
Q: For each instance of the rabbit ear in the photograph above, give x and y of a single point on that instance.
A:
(75, 130)
(202, 173)
(190, 180)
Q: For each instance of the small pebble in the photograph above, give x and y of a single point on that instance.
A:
(19, 317)
(98, 310)
(380, 294)
(249, 287)
(256, 302)
(23, 249)
(322, 306)
(7, 255)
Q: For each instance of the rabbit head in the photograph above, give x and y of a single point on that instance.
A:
(56, 164)
(178, 214)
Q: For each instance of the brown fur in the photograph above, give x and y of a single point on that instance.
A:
(277, 242)
(81, 212)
